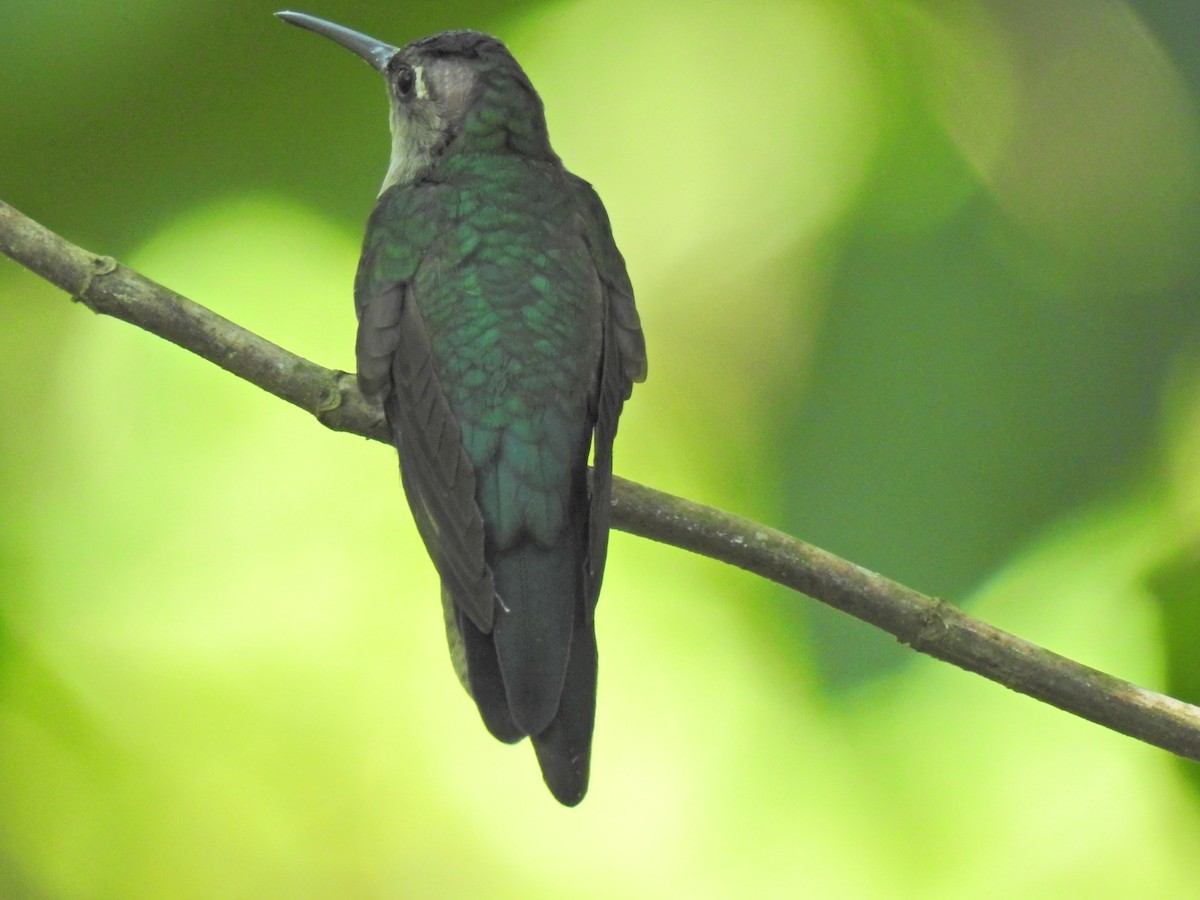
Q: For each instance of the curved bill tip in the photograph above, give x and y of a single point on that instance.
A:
(377, 53)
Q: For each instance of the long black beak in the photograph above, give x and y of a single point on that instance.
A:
(377, 53)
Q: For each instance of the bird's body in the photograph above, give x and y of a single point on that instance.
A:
(497, 326)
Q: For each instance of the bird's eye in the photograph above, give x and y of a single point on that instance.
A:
(406, 80)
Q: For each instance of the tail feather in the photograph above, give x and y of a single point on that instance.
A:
(484, 682)
(564, 748)
(534, 673)
(538, 589)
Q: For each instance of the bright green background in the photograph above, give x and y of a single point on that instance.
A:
(919, 285)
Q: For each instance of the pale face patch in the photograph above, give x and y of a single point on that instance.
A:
(422, 87)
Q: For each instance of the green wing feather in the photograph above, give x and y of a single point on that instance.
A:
(623, 362)
(395, 360)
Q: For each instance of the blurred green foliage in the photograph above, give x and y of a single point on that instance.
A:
(919, 284)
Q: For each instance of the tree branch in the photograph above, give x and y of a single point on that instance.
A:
(924, 623)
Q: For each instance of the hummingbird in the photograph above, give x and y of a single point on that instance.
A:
(497, 327)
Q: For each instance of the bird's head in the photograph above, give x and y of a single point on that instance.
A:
(456, 92)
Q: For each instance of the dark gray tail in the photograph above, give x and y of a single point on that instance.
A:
(535, 674)
(564, 748)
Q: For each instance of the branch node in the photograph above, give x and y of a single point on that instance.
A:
(330, 401)
(335, 398)
(98, 266)
(332, 397)
(935, 625)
